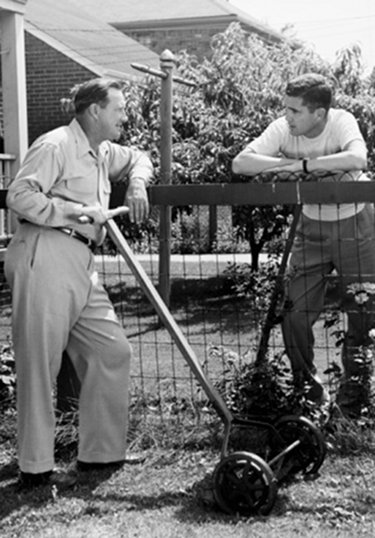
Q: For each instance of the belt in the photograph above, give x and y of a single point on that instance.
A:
(76, 235)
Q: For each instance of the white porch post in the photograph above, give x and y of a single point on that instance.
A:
(14, 86)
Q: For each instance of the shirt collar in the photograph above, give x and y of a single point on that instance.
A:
(82, 143)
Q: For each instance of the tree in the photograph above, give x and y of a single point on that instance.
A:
(348, 69)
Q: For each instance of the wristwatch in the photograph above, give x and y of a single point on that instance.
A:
(304, 165)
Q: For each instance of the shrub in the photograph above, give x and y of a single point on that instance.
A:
(256, 286)
(190, 233)
(249, 390)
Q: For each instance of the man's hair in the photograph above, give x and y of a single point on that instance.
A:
(314, 90)
(93, 91)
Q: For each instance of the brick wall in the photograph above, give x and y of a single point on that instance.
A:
(49, 77)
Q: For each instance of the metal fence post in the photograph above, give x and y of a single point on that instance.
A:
(166, 65)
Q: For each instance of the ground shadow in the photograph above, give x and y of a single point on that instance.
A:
(13, 498)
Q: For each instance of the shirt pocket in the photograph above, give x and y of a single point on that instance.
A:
(81, 185)
(80, 178)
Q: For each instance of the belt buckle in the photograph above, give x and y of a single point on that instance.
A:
(86, 240)
(89, 242)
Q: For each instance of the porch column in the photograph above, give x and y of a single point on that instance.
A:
(14, 86)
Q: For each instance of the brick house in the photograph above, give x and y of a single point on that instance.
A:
(167, 24)
(65, 45)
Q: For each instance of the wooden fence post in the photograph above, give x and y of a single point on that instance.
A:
(166, 65)
(166, 75)
(212, 226)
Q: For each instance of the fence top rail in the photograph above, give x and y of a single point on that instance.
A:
(278, 193)
(257, 193)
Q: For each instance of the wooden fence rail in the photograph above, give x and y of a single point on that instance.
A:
(276, 193)
(253, 193)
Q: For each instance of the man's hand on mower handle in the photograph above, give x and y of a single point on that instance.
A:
(97, 215)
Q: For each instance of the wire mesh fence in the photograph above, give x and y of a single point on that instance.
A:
(222, 322)
(210, 314)
(221, 317)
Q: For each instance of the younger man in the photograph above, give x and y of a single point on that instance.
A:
(313, 138)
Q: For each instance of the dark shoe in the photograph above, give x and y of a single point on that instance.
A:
(33, 480)
(64, 479)
(351, 398)
(60, 479)
(315, 391)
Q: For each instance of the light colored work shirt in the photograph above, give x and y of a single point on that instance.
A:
(340, 131)
(61, 171)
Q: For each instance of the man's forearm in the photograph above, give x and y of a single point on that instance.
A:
(250, 164)
(345, 160)
(28, 202)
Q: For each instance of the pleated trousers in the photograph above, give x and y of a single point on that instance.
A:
(59, 304)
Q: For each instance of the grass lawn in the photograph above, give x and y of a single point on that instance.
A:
(169, 496)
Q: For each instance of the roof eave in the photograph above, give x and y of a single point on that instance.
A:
(13, 6)
(97, 69)
(166, 24)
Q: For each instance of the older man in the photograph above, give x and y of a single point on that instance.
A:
(61, 197)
